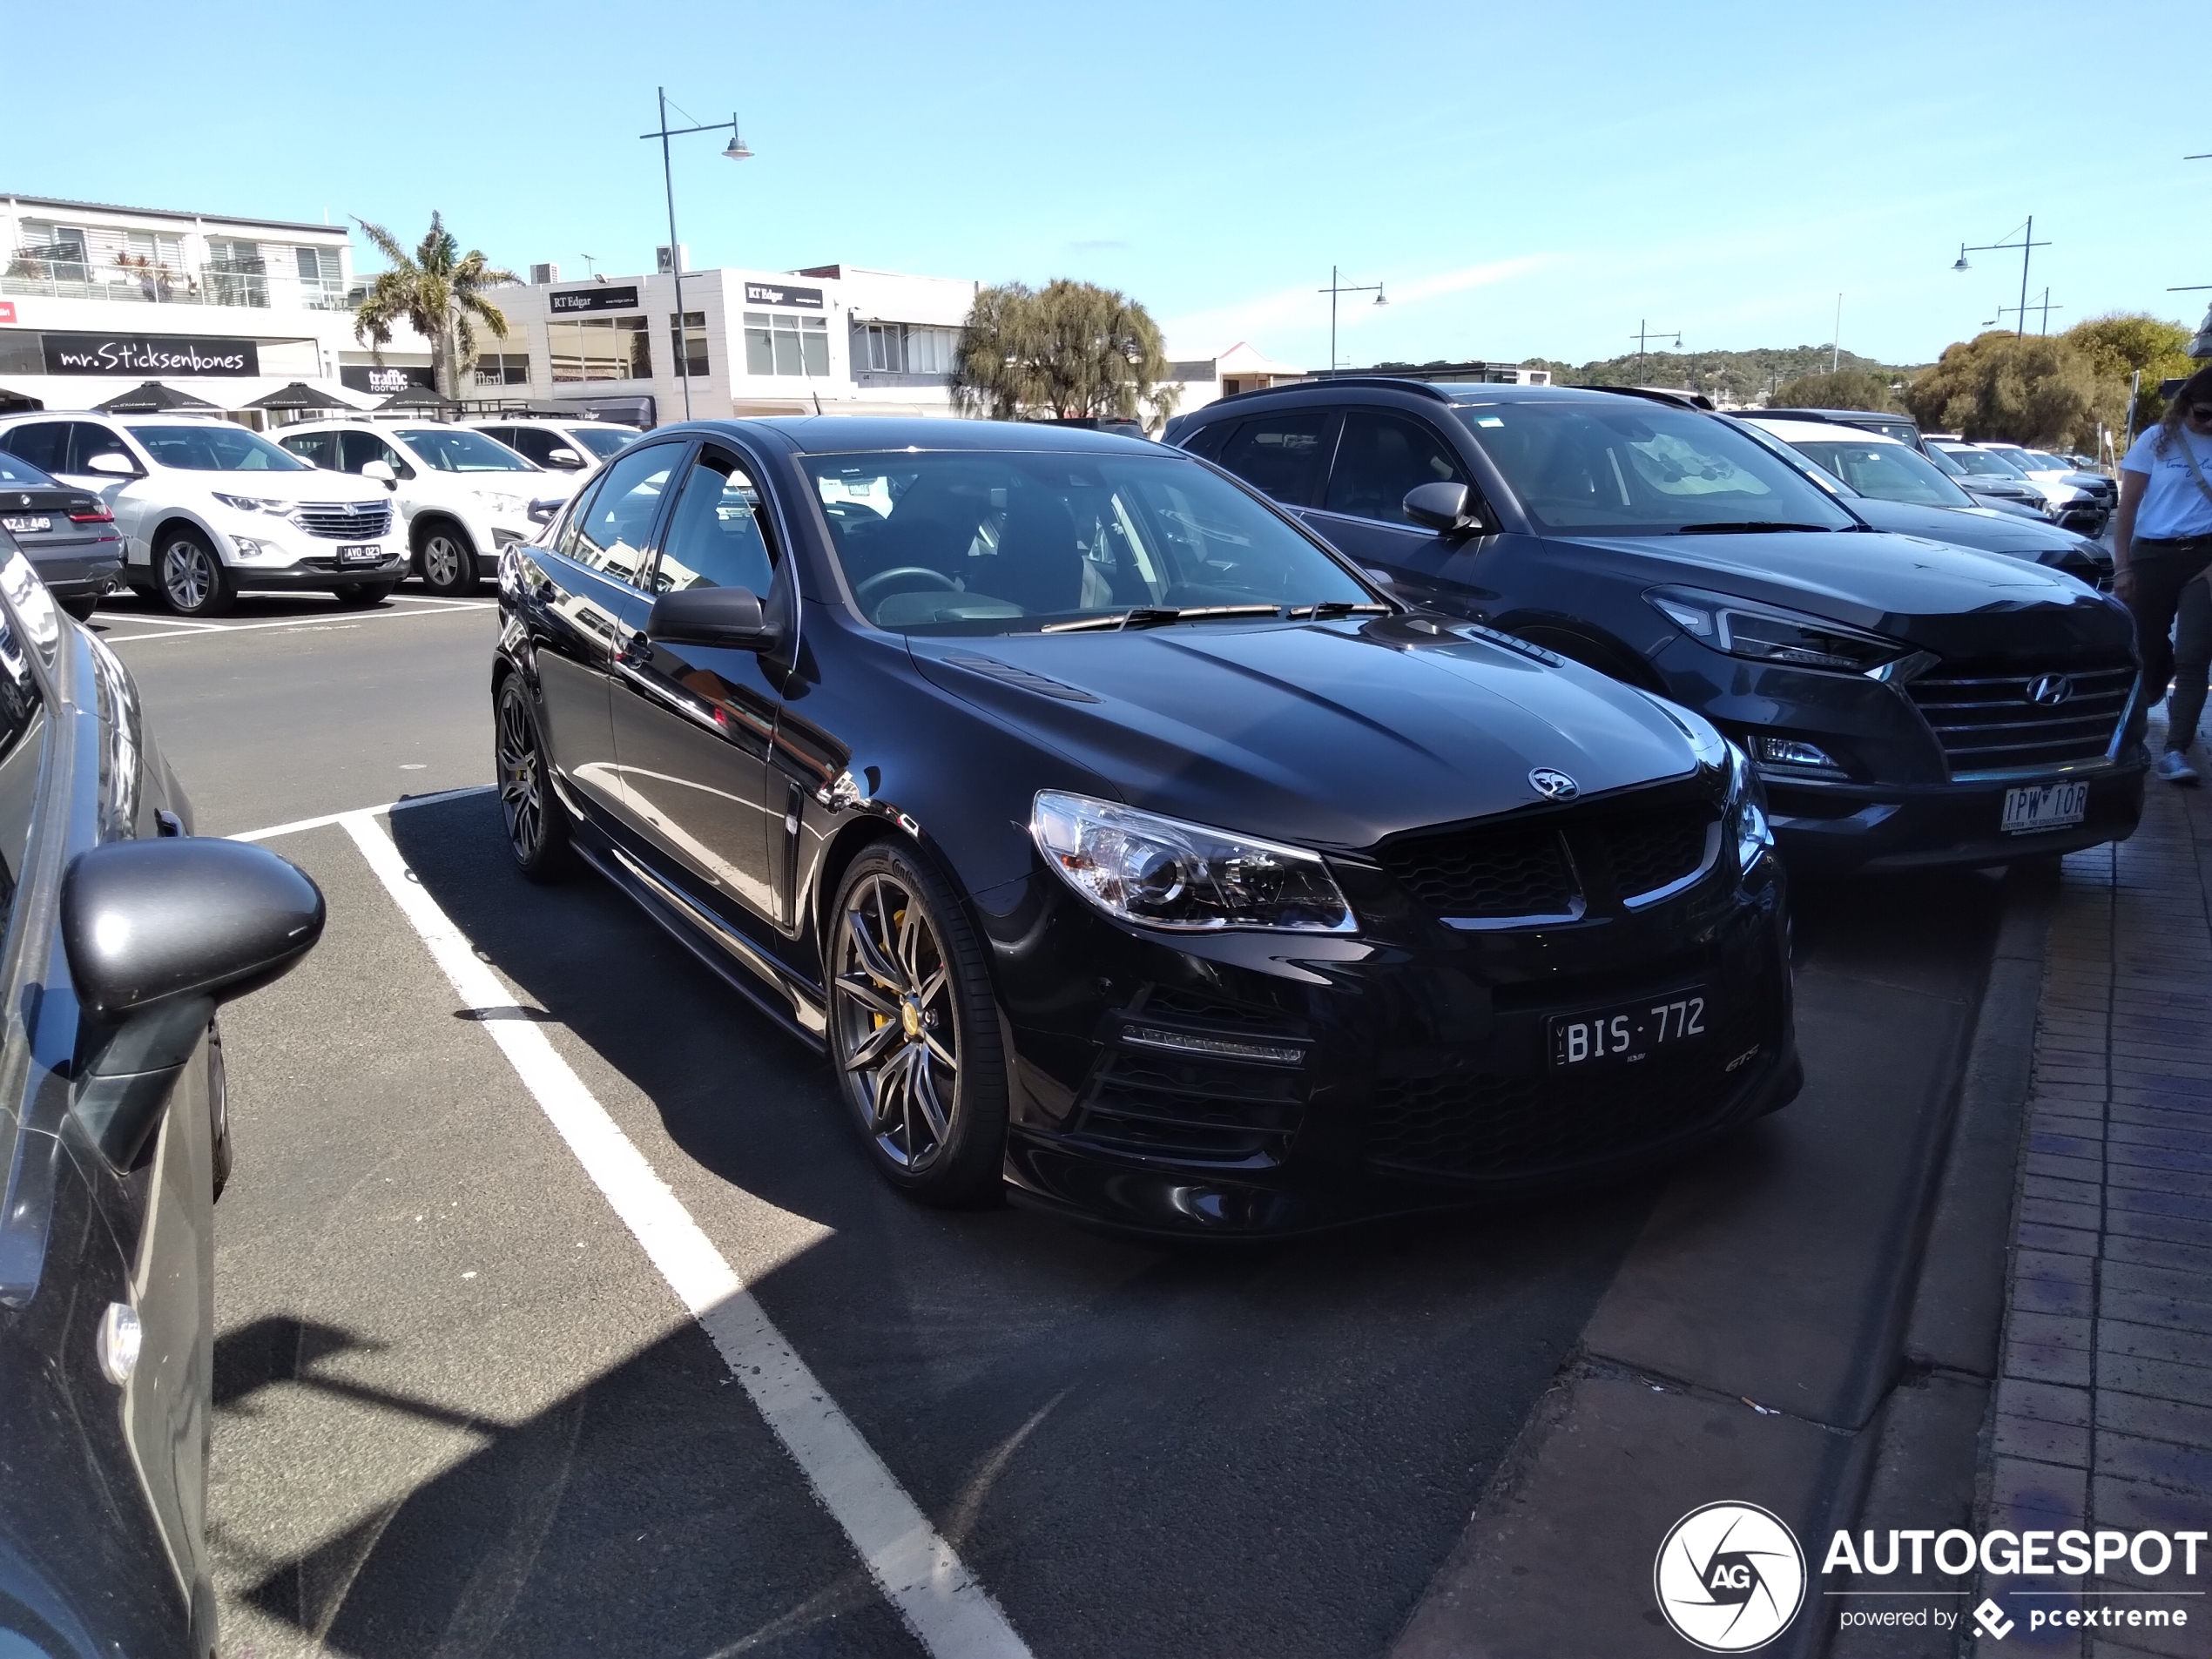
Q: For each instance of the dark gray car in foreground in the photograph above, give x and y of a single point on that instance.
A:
(122, 936)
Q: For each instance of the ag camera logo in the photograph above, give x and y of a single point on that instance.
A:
(1729, 1577)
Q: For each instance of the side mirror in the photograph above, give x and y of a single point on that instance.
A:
(563, 458)
(112, 465)
(731, 618)
(1440, 506)
(158, 934)
(381, 472)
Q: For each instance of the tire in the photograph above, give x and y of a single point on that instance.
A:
(218, 1109)
(364, 596)
(906, 974)
(81, 608)
(446, 561)
(538, 830)
(189, 578)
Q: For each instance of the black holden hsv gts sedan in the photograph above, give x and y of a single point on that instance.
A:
(1121, 842)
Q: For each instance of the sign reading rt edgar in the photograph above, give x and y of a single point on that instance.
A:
(150, 354)
(608, 298)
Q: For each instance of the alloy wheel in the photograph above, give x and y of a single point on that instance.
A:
(441, 558)
(521, 796)
(896, 1023)
(187, 575)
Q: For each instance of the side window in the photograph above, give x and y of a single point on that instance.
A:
(320, 448)
(1379, 458)
(716, 540)
(357, 449)
(613, 532)
(86, 439)
(533, 443)
(43, 443)
(1281, 453)
(1207, 439)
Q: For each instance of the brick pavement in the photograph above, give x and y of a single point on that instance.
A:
(2104, 1404)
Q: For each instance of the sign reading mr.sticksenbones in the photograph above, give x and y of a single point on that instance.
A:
(150, 354)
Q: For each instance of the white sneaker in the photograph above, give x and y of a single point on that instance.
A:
(2175, 768)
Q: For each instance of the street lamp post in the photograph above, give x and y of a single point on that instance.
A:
(2027, 243)
(1645, 333)
(1335, 288)
(736, 152)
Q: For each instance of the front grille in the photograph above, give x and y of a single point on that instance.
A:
(1467, 1123)
(337, 522)
(1987, 721)
(1526, 871)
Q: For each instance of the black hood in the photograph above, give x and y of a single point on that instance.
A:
(1952, 601)
(1986, 530)
(1327, 734)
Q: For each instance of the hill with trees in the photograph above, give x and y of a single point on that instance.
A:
(1740, 378)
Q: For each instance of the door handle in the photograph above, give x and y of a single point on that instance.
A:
(636, 649)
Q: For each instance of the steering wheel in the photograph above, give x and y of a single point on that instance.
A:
(865, 591)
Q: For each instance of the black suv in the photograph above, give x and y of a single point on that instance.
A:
(1907, 703)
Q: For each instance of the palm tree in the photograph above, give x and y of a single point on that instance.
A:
(436, 292)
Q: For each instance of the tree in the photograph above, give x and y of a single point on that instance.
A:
(2120, 344)
(2036, 391)
(439, 292)
(1070, 350)
(1847, 388)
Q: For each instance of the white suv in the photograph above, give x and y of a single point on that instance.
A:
(548, 439)
(462, 496)
(207, 510)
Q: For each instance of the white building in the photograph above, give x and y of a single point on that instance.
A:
(95, 300)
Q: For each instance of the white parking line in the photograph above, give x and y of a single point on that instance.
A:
(951, 1614)
(299, 824)
(176, 628)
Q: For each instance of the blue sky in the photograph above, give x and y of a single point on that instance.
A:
(1532, 180)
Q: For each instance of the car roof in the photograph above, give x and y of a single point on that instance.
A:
(1818, 432)
(1842, 417)
(856, 433)
(1475, 393)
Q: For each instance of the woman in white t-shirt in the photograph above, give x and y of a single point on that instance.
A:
(2162, 541)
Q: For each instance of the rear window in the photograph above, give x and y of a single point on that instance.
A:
(19, 472)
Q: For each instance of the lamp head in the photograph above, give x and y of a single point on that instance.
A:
(1962, 258)
(1379, 299)
(737, 152)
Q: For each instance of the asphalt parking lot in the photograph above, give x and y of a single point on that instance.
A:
(465, 1406)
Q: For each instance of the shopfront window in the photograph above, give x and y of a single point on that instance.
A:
(503, 369)
(599, 349)
(689, 344)
(905, 348)
(779, 344)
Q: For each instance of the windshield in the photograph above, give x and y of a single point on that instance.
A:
(1983, 463)
(1887, 472)
(969, 544)
(215, 448)
(14, 470)
(2042, 463)
(452, 448)
(1639, 469)
(601, 441)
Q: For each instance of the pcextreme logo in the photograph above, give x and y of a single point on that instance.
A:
(1729, 1577)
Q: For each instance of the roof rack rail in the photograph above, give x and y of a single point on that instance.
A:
(1657, 395)
(1395, 382)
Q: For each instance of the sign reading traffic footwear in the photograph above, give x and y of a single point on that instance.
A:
(607, 298)
(775, 293)
(149, 354)
(370, 377)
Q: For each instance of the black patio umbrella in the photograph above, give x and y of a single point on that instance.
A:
(417, 397)
(299, 395)
(152, 398)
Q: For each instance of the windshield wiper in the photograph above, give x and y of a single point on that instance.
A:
(1745, 527)
(1329, 610)
(1155, 616)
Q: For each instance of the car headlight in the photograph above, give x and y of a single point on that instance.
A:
(1766, 634)
(500, 502)
(1747, 812)
(1162, 873)
(254, 504)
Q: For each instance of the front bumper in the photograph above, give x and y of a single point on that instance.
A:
(1421, 1078)
(322, 572)
(1833, 827)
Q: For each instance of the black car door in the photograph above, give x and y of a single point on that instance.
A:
(694, 723)
(1381, 454)
(585, 602)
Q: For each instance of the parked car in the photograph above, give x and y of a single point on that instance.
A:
(207, 510)
(1908, 703)
(2062, 503)
(2043, 469)
(1999, 486)
(1901, 428)
(68, 534)
(1894, 487)
(1120, 841)
(556, 444)
(126, 934)
(460, 496)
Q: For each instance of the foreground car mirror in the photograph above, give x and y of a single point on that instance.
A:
(1440, 506)
(381, 472)
(731, 618)
(158, 934)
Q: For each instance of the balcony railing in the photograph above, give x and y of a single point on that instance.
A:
(59, 276)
